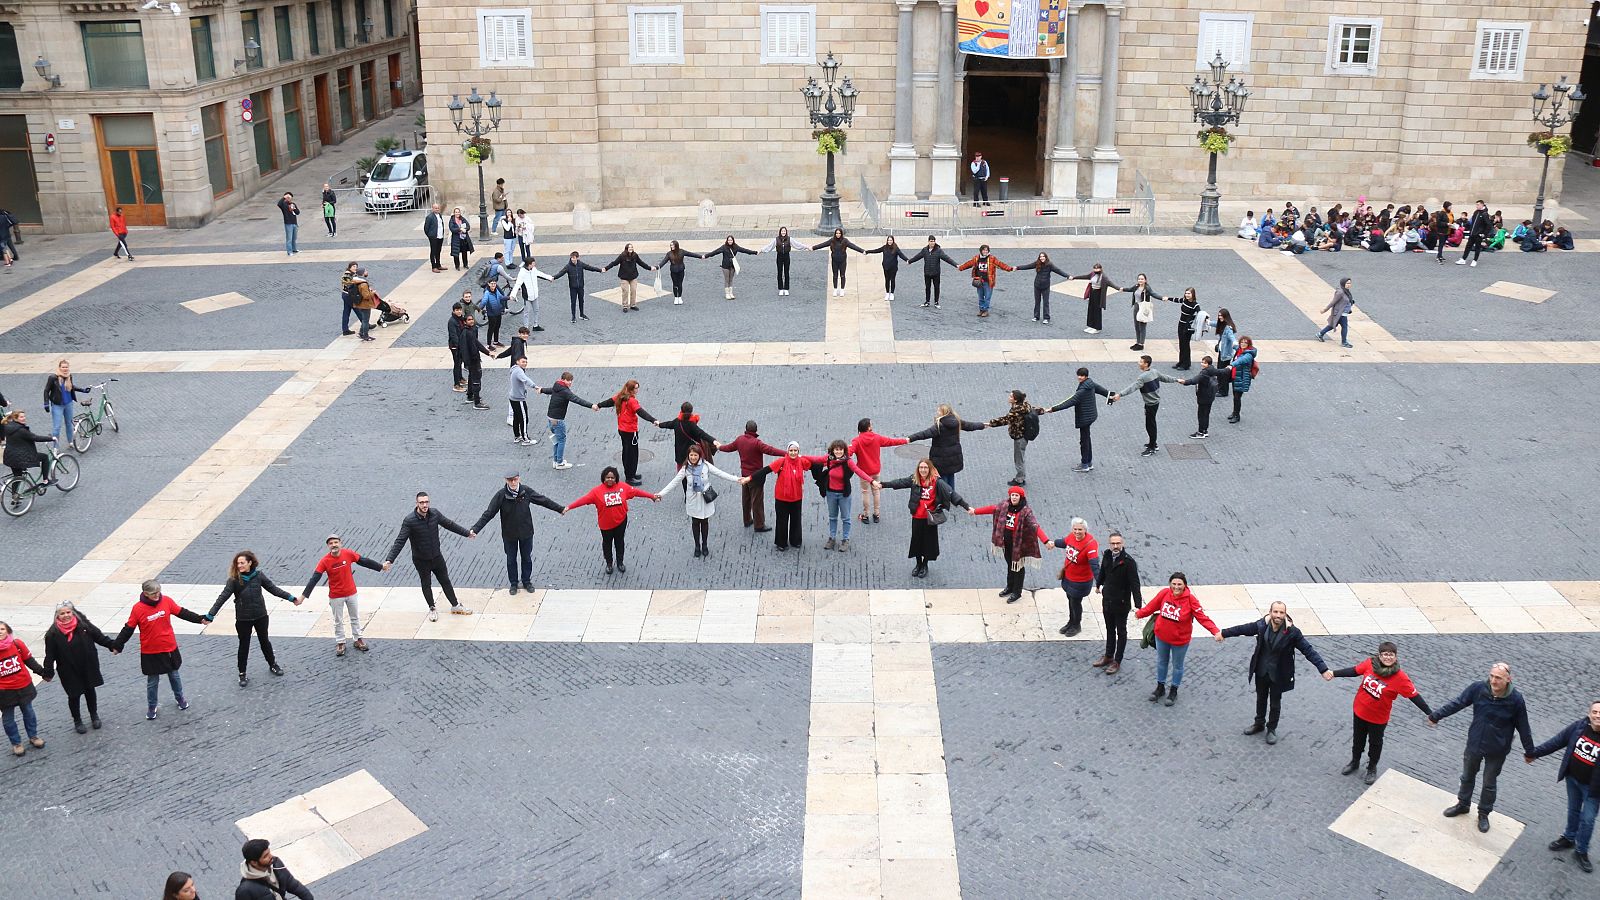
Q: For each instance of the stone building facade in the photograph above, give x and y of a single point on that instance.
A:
(613, 104)
(144, 108)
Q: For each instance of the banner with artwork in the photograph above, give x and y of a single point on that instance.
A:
(1018, 29)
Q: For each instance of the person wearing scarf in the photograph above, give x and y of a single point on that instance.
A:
(695, 476)
(1175, 609)
(1095, 293)
(1272, 663)
(1016, 536)
(152, 615)
(16, 689)
(1381, 682)
(263, 876)
(686, 433)
(69, 649)
(245, 584)
(1338, 310)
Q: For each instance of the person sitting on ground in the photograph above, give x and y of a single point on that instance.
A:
(1561, 240)
(1326, 239)
(1522, 230)
(1269, 239)
(1297, 242)
(1312, 220)
(1377, 239)
(1410, 240)
(1248, 226)
(1532, 241)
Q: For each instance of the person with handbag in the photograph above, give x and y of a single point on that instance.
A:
(699, 495)
(1118, 584)
(1338, 310)
(1016, 537)
(460, 240)
(1144, 309)
(727, 256)
(985, 267)
(1095, 293)
(687, 434)
(837, 468)
(1173, 612)
(930, 497)
(1042, 267)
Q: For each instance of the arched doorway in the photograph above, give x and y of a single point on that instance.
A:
(1004, 109)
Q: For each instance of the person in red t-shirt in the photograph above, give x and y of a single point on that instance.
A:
(1381, 682)
(158, 644)
(1078, 575)
(1176, 609)
(16, 689)
(1016, 536)
(610, 502)
(336, 564)
(867, 448)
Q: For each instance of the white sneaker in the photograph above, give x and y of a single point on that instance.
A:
(1091, 331)
(1461, 262)
(433, 615)
(677, 301)
(561, 465)
(529, 442)
(1474, 264)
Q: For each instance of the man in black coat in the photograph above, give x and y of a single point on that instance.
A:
(1205, 394)
(472, 353)
(421, 529)
(1478, 231)
(1084, 413)
(514, 506)
(435, 227)
(1272, 663)
(931, 256)
(1498, 710)
(1118, 584)
(573, 273)
(263, 876)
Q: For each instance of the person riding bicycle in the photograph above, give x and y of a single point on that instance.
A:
(20, 452)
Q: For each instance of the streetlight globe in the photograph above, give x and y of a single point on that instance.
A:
(42, 66)
(475, 100)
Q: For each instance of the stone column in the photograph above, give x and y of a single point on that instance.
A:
(903, 152)
(1106, 159)
(1064, 155)
(945, 155)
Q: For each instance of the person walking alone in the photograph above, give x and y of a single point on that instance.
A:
(343, 600)
(1042, 267)
(932, 256)
(1338, 310)
(291, 222)
(561, 399)
(1381, 682)
(1272, 663)
(674, 260)
(1176, 609)
(69, 651)
(573, 273)
(1148, 384)
(837, 247)
(628, 265)
(930, 498)
(752, 496)
(1094, 295)
(420, 528)
(119, 230)
(699, 495)
(984, 268)
(330, 209)
(1015, 536)
(152, 615)
(892, 257)
(1021, 422)
(514, 505)
(1084, 414)
(500, 202)
(245, 585)
(1118, 583)
(610, 502)
(1579, 744)
(1498, 711)
(1079, 573)
(629, 412)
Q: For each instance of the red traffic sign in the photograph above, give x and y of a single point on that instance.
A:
(247, 116)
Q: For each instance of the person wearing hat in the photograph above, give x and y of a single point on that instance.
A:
(1016, 537)
(158, 645)
(263, 876)
(514, 506)
(342, 599)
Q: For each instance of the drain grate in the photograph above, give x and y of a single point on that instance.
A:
(1188, 451)
(644, 456)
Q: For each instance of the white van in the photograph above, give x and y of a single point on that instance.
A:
(394, 181)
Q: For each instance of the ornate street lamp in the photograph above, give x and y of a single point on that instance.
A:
(42, 66)
(1552, 114)
(475, 129)
(830, 106)
(366, 30)
(1216, 104)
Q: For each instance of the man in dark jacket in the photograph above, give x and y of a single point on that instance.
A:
(421, 529)
(561, 396)
(1272, 663)
(1479, 227)
(752, 498)
(434, 226)
(1118, 584)
(1497, 711)
(263, 876)
(1579, 744)
(573, 273)
(931, 256)
(514, 506)
(472, 353)
(453, 326)
(1084, 412)
(1205, 394)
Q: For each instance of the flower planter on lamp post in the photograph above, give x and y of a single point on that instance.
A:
(475, 129)
(1552, 113)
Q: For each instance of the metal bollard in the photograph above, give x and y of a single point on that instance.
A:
(1005, 190)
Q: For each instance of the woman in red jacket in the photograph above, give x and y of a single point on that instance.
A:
(983, 268)
(158, 645)
(865, 448)
(1381, 682)
(16, 689)
(1176, 610)
(610, 502)
(1016, 536)
(788, 493)
(629, 412)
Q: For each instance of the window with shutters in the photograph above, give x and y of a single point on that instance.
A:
(505, 37)
(1353, 45)
(1228, 34)
(655, 35)
(1501, 47)
(789, 34)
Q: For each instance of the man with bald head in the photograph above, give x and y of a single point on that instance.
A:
(1497, 711)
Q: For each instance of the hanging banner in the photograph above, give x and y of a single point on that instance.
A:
(1017, 29)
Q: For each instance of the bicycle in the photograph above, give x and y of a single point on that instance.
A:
(17, 492)
(86, 425)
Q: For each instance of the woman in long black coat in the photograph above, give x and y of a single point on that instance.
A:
(944, 450)
(69, 650)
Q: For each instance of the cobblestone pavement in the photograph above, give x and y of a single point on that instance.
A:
(1060, 776)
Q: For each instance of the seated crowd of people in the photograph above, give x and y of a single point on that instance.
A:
(1391, 230)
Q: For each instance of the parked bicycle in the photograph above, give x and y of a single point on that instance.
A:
(86, 425)
(17, 492)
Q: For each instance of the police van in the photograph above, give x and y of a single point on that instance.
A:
(398, 181)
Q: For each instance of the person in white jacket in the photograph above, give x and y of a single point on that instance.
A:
(695, 476)
(526, 289)
(1248, 226)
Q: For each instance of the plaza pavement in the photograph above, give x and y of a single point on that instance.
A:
(1417, 485)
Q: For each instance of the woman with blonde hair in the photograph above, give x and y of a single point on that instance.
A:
(944, 437)
(69, 649)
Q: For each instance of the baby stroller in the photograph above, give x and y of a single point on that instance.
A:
(388, 312)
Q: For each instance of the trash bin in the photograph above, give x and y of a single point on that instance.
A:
(1005, 189)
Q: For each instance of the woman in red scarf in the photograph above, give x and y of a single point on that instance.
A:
(930, 497)
(69, 650)
(1016, 537)
(16, 689)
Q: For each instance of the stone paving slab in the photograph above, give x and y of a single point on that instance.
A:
(689, 782)
(1059, 775)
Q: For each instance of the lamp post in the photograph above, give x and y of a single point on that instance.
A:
(1552, 113)
(830, 106)
(1216, 104)
(475, 131)
(42, 66)
(366, 30)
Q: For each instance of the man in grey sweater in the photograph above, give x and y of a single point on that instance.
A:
(1148, 384)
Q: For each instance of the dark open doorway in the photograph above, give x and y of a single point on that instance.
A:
(1004, 119)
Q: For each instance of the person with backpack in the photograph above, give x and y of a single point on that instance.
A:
(944, 442)
(1084, 414)
(1021, 422)
(1244, 371)
(493, 305)
(1148, 384)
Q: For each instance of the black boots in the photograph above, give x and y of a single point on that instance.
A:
(1158, 693)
